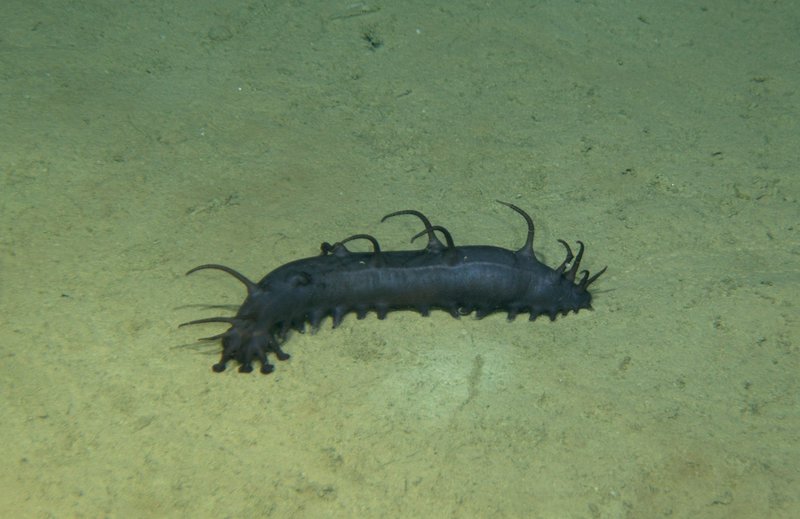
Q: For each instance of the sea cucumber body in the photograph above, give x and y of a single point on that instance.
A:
(481, 278)
(457, 279)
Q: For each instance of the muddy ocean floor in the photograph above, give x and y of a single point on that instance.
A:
(138, 140)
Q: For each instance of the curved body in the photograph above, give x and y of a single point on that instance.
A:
(456, 279)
